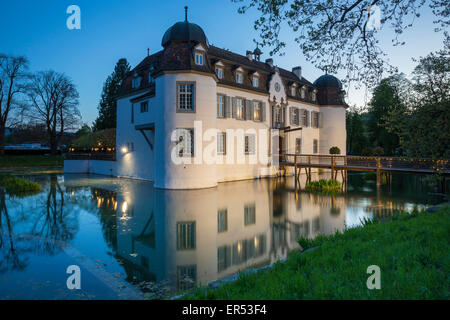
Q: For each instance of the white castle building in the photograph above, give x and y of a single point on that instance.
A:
(171, 102)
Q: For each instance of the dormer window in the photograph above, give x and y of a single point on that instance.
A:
(151, 80)
(303, 92)
(219, 73)
(313, 95)
(136, 82)
(293, 93)
(255, 81)
(239, 77)
(199, 58)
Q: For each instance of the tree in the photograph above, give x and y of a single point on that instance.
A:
(388, 97)
(107, 108)
(356, 132)
(335, 150)
(12, 83)
(341, 35)
(84, 130)
(54, 102)
(424, 128)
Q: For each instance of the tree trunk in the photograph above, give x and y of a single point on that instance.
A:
(2, 140)
(53, 145)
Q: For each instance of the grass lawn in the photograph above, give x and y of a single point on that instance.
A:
(412, 251)
(31, 161)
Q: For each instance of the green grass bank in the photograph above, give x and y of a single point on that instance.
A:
(31, 161)
(14, 185)
(412, 251)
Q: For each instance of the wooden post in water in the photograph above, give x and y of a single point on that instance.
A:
(378, 172)
(332, 167)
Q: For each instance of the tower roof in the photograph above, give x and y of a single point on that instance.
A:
(184, 31)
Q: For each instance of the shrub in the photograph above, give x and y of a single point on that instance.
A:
(377, 151)
(323, 185)
(335, 150)
(14, 185)
(96, 141)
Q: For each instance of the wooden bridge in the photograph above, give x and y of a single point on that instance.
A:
(381, 165)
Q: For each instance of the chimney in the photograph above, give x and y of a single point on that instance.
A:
(269, 62)
(297, 71)
(249, 55)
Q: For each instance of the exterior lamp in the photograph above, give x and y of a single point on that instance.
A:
(124, 149)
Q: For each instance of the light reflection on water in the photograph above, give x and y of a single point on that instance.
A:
(132, 240)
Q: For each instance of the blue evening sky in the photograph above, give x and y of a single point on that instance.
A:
(114, 29)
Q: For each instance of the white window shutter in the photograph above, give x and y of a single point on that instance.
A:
(291, 115)
(263, 111)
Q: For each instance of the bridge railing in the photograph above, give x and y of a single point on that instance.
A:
(106, 156)
(419, 164)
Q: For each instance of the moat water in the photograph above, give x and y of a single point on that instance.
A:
(133, 241)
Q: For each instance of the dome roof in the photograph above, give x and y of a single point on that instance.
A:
(257, 51)
(184, 31)
(327, 81)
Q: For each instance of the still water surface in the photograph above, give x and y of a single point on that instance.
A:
(133, 241)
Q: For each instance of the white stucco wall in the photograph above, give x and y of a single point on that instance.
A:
(333, 132)
(156, 164)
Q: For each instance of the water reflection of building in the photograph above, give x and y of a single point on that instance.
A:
(197, 236)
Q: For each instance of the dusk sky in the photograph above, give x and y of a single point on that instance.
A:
(114, 29)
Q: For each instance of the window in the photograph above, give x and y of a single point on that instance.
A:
(293, 91)
(255, 81)
(185, 92)
(315, 146)
(199, 58)
(222, 220)
(151, 80)
(315, 119)
(303, 93)
(221, 143)
(144, 106)
(239, 78)
(298, 145)
(219, 73)
(304, 118)
(185, 235)
(278, 115)
(220, 106)
(239, 108)
(249, 214)
(185, 142)
(250, 144)
(313, 95)
(130, 146)
(295, 116)
(257, 112)
(223, 258)
(136, 82)
(186, 277)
